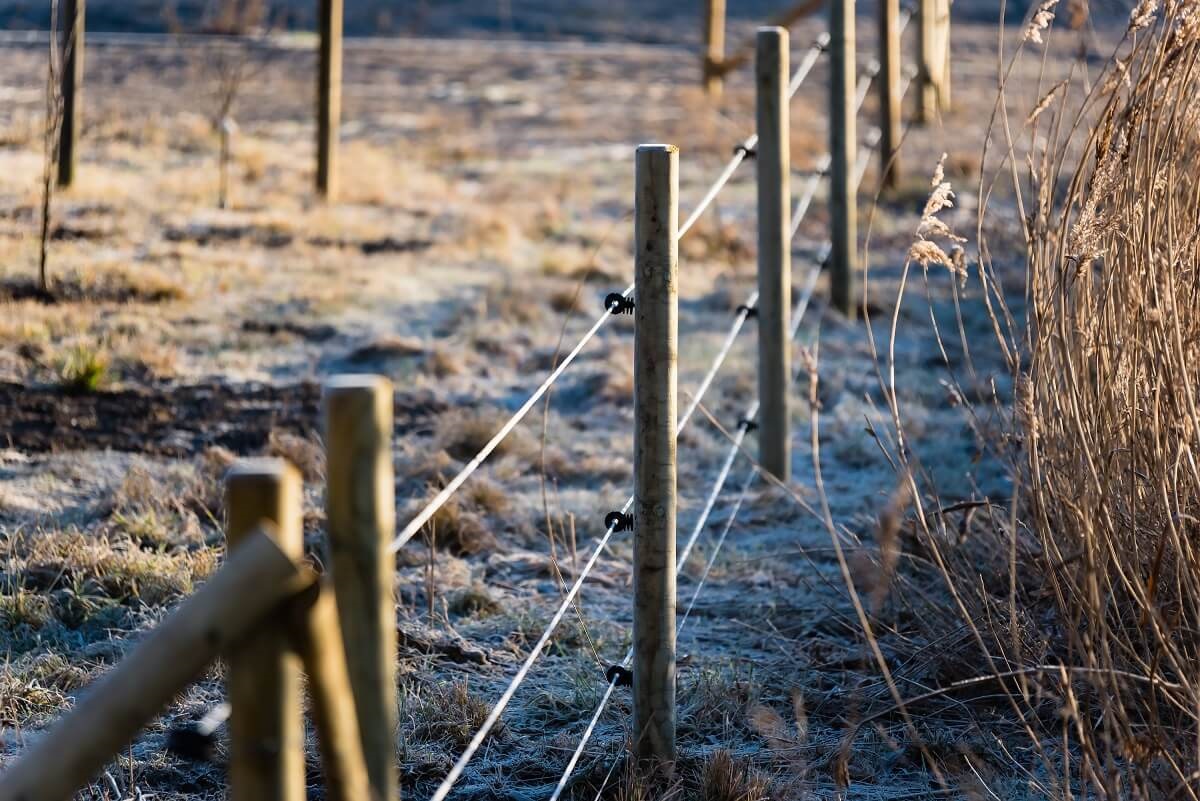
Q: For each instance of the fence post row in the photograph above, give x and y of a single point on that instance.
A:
(773, 161)
(655, 387)
(74, 14)
(329, 97)
(714, 47)
(889, 93)
(361, 521)
(843, 146)
(263, 680)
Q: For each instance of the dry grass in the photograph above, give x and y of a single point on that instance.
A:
(1082, 601)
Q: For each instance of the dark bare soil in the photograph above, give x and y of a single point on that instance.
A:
(172, 422)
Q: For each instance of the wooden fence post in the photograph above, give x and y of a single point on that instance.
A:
(655, 389)
(329, 97)
(774, 249)
(928, 62)
(263, 682)
(843, 145)
(889, 93)
(714, 46)
(361, 520)
(944, 43)
(74, 15)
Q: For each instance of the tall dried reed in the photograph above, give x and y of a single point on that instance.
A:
(1109, 411)
(1085, 609)
(1105, 539)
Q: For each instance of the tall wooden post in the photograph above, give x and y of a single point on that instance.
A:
(329, 97)
(714, 46)
(74, 15)
(774, 249)
(929, 61)
(889, 93)
(361, 520)
(843, 144)
(655, 352)
(263, 682)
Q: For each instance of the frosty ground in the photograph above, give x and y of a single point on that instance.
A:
(487, 193)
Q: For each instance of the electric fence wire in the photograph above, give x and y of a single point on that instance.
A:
(497, 710)
(872, 141)
(438, 501)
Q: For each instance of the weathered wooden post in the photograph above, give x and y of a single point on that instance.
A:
(329, 97)
(74, 15)
(843, 145)
(655, 352)
(263, 680)
(889, 93)
(929, 61)
(361, 520)
(714, 46)
(774, 248)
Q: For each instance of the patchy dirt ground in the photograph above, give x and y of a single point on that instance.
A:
(485, 214)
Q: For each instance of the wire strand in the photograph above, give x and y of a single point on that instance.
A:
(797, 315)
(440, 499)
(750, 142)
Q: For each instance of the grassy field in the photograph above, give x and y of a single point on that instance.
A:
(867, 632)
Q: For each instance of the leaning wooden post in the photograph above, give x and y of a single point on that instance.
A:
(361, 520)
(74, 15)
(928, 63)
(263, 681)
(329, 97)
(655, 351)
(774, 249)
(318, 638)
(889, 93)
(843, 144)
(714, 46)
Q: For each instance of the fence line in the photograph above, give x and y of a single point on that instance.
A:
(706, 382)
(797, 318)
(744, 148)
(264, 683)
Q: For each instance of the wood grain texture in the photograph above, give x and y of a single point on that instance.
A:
(843, 148)
(655, 398)
(360, 509)
(266, 732)
(774, 165)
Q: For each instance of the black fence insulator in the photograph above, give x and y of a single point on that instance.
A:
(748, 152)
(617, 303)
(747, 424)
(618, 521)
(751, 311)
(619, 676)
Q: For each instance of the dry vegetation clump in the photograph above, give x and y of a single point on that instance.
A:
(1109, 411)
(1084, 603)
(462, 434)
(443, 713)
